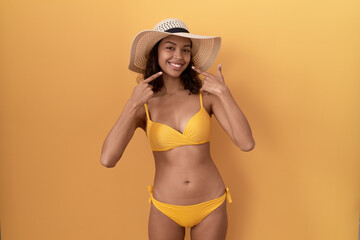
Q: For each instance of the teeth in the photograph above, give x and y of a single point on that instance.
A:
(175, 65)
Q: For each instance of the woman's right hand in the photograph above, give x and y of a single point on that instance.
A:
(143, 91)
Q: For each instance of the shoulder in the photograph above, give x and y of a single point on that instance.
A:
(140, 117)
(208, 101)
(155, 100)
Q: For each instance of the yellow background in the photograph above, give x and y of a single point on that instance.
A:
(292, 66)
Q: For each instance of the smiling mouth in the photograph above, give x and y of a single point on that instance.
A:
(176, 66)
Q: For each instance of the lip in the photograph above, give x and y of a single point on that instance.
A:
(172, 65)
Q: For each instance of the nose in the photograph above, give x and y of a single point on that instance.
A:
(178, 54)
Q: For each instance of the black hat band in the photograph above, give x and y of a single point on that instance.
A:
(177, 30)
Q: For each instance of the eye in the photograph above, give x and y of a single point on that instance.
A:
(170, 48)
(187, 50)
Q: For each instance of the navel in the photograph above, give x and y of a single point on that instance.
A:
(187, 182)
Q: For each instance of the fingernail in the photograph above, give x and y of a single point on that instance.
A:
(193, 67)
(160, 73)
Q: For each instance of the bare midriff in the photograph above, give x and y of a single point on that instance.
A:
(186, 175)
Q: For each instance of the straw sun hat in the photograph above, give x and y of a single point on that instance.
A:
(204, 48)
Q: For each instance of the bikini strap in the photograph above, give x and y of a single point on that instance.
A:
(201, 100)
(146, 110)
(150, 188)
(228, 196)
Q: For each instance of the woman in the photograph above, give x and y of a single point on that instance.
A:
(174, 108)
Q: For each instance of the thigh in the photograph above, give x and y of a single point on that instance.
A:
(213, 227)
(161, 227)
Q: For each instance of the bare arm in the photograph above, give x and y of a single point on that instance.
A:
(130, 118)
(226, 110)
(120, 135)
(233, 120)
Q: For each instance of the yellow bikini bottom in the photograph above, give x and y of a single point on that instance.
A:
(190, 215)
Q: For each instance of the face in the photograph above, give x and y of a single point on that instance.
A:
(174, 54)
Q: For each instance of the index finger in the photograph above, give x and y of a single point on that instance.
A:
(152, 77)
(201, 71)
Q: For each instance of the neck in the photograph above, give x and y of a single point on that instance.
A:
(171, 85)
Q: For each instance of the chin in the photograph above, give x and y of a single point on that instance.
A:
(173, 73)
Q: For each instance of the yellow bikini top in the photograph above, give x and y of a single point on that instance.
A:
(163, 138)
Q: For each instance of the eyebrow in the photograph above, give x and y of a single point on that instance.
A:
(175, 44)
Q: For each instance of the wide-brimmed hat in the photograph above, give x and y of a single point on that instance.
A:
(204, 48)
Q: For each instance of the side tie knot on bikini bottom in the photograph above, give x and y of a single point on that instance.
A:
(189, 215)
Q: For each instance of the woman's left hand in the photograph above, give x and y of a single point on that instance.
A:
(211, 83)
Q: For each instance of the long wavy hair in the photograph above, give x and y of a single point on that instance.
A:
(189, 78)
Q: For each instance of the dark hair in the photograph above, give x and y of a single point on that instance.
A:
(189, 78)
